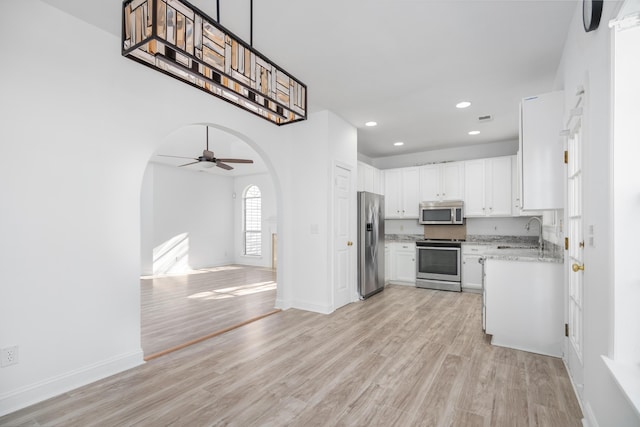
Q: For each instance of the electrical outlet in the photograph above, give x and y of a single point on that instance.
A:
(9, 356)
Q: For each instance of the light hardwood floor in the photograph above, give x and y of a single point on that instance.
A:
(179, 308)
(404, 357)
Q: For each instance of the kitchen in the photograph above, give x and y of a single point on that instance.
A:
(450, 226)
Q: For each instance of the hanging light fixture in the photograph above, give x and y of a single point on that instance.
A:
(181, 41)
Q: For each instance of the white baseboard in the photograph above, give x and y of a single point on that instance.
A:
(589, 419)
(585, 422)
(309, 306)
(34, 393)
(282, 304)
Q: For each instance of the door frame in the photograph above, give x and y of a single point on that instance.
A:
(575, 122)
(353, 291)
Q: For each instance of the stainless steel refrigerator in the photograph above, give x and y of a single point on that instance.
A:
(370, 243)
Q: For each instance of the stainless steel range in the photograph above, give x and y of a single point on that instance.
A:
(438, 264)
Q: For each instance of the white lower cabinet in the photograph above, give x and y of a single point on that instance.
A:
(471, 273)
(472, 253)
(523, 305)
(387, 262)
(401, 268)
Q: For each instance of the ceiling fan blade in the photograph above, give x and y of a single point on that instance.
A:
(223, 165)
(208, 154)
(177, 157)
(235, 160)
(187, 164)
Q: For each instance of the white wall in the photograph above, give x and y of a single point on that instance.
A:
(87, 121)
(209, 209)
(587, 62)
(198, 208)
(146, 222)
(403, 226)
(269, 218)
(470, 152)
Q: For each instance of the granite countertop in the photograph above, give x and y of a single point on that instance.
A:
(526, 241)
(524, 254)
(402, 238)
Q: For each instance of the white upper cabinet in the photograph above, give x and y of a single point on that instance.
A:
(541, 152)
(401, 191)
(474, 188)
(487, 187)
(369, 179)
(444, 181)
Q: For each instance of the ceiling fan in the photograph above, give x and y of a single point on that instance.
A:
(207, 156)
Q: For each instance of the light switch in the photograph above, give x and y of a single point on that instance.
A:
(314, 229)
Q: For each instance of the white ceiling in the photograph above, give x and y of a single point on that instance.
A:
(402, 63)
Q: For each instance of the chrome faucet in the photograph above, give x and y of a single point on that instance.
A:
(540, 240)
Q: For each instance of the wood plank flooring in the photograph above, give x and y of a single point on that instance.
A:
(177, 309)
(404, 357)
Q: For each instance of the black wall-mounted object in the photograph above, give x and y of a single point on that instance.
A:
(591, 14)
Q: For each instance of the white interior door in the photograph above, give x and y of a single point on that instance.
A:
(574, 297)
(343, 263)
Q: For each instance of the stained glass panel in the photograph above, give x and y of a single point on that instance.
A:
(181, 28)
(171, 25)
(161, 22)
(189, 34)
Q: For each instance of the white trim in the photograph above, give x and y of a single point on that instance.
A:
(37, 392)
(310, 306)
(282, 305)
(629, 21)
(573, 384)
(589, 419)
(627, 377)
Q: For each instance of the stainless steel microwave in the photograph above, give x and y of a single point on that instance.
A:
(449, 212)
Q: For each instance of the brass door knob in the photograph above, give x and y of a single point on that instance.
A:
(349, 243)
(575, 267)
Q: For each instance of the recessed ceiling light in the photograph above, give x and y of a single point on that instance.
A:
(371, 124)
(463, 104)
(474, 132)
(398, 144)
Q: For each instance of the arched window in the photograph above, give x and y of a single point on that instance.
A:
(252, 208)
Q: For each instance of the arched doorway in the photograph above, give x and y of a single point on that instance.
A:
(197, 278)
